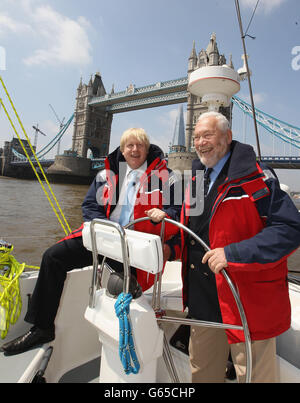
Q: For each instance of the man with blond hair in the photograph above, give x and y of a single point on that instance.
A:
(137, 166)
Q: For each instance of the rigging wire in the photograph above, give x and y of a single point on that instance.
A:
(68, 230)
(252, 37)
(237, 6)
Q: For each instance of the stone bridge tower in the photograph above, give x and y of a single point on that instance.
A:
(7, 155)
(208, 57)
(181, 159)
(91, 126)
(91, 132)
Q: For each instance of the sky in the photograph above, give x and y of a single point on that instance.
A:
(47, 46)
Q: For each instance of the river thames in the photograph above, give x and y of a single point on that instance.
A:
(28, 222)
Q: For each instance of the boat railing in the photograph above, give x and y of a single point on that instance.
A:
(156, 296)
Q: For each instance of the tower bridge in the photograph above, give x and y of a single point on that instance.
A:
(158, 94)
(95, 109)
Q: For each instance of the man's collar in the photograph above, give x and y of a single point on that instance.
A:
(139, 170)
(219, 165)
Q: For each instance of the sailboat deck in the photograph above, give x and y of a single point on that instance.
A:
(19, 367)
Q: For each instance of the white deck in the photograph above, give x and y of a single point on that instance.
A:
(21, 368)
(75, 343)
(77, 349)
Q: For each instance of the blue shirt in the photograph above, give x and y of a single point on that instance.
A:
(217, 169)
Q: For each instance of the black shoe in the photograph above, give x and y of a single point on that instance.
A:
(230, 371)
(29, 340)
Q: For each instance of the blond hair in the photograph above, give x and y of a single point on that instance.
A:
(138, 133)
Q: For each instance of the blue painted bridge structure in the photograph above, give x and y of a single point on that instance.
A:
(275, 162)
(174, 92)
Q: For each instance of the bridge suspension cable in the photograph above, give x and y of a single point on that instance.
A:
(55, 140)
(284, 131)
(48, 147)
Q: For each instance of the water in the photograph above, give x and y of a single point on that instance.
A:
(28, 222)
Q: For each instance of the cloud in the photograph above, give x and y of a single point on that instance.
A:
(62, 40)
(9, 25)
(259, 98)
(65, 39)
(266, 6)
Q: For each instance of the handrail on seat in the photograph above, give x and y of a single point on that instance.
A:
(125, 255)
(157, 284)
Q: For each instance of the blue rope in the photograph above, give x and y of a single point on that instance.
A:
(126, 345)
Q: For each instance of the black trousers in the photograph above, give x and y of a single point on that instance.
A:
(56, 262)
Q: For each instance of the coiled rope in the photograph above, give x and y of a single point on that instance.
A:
(10, 297)
(126, 344)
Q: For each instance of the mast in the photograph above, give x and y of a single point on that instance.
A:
(237, 6)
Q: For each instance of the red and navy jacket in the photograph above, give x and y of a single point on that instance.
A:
(258, 226)
(156, 189)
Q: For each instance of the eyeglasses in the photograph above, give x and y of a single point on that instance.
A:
(206, 136)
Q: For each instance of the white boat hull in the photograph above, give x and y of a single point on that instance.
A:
(77, 342)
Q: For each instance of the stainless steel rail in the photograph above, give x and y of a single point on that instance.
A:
(125, 256)
(157, 291)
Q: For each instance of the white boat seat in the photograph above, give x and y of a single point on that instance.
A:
(145, 250)
(171, 288)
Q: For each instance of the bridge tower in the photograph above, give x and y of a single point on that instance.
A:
(91, 126)
(181, 158)
(7, 155)
(208, 57)
(178, 158)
